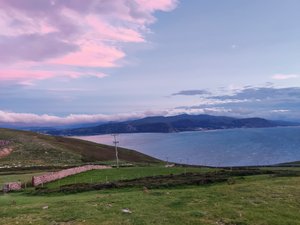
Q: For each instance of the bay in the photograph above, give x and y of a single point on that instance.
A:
(231, 147)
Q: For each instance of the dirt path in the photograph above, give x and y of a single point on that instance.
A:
(5, 152)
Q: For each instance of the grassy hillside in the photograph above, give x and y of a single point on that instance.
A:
(31, 149)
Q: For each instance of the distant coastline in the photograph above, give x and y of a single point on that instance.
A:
(171, 124)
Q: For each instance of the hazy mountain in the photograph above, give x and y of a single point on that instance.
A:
(161, 124)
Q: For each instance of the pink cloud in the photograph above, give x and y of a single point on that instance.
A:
(285, 76)
(90, 33)
(92, 55)
(10, 75)
(163, 5)
(106, 32)
(26, 76)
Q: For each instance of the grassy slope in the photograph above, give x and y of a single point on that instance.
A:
(257, 200)
(36, 149)
(295, 163)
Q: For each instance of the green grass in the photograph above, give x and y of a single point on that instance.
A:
(255, 200)
(294, 163)
(31, 148)
(115, 174)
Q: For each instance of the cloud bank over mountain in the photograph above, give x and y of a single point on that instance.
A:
(248, 101)
(267, 102)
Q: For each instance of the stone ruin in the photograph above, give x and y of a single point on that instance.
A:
(5, 150)
(48, 177)
(12, 186)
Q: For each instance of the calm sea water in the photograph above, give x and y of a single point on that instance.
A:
(234, 147)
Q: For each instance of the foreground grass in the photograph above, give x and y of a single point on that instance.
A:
(257, 200)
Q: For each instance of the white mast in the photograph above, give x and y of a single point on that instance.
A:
(116, 148)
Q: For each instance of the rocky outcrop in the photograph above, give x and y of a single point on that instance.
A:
(12, 186)
(5, 152)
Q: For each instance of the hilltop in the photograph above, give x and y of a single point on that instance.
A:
(179, 123)
(31, 149)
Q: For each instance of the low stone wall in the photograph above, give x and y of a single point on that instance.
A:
(12, 186)
(48, 177)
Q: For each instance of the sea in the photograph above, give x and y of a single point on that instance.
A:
(229, 147)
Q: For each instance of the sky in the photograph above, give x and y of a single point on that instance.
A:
(73, 61)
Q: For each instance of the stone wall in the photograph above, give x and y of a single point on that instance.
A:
(12, 186)
(48, 177)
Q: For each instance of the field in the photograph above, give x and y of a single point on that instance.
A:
(95, 176)
(257, 200)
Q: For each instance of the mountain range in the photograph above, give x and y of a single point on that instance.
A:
(161, 124)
